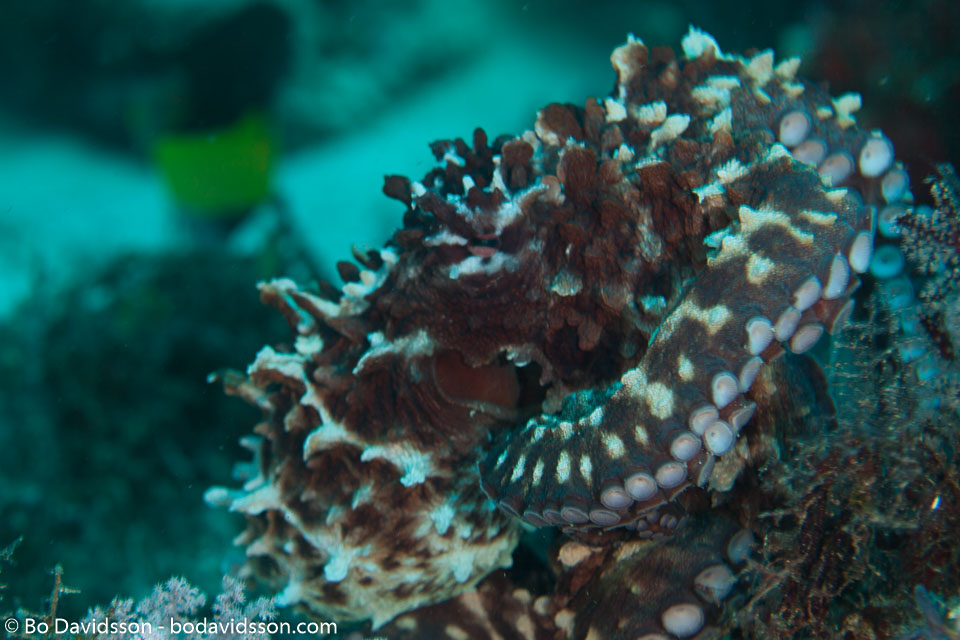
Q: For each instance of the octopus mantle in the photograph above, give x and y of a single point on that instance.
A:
(567, 331)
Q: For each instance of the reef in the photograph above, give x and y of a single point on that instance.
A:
(583, 328)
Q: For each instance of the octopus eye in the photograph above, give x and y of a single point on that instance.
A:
(488, 384)
(484, 246)
(501, 388)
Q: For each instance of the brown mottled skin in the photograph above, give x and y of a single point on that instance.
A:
(569, 260)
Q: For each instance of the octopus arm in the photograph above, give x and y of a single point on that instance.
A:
(779, 277)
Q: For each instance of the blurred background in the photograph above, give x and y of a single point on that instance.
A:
(159, 157)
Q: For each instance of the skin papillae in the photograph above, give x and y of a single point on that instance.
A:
(571, 329)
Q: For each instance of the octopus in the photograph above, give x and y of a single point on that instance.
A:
(578, 328)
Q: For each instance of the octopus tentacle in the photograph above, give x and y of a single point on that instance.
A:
(659, 426)
(780, 277)
(658, 591)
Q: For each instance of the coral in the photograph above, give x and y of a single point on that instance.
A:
(174, 609)
(587, 321)
(931, 240)
(177, 600)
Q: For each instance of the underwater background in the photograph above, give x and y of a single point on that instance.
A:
(158, 158)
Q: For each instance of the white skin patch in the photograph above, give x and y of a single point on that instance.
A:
(671, 128)
(537, 472)
(634, 379)
(518, 468)
(793, 89)
(760, 67)
(477, 264)
(846, 105)
(361, 496)
(442, 516)
(758, 268)
(287, 364)
(711, 96)
(659, 399)
(752, 220)
(624, 154)
(640, 435)
(258, 501)
(775, 152)
(623, 61)
(837, 195)
(651, 114)
(339, 563)
(595, 419)
(414, 344)
(723, 82)
(730, 171)
(708, 191)
(614, 446)
(697, 42)
(586, 468)
(787, 69)
(329, 433)
(563, 467)
(685, 368)
(819, 217)
(718, 315)
(415, 465)
(444, 237)
(309, 345)
(548, 136)
(723, 121)
(615, 110)
(715, 240)
(713, 318)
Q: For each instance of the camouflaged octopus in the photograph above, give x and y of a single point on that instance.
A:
(566, 332)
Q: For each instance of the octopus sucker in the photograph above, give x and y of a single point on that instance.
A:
(582, 327)
(651, 589)
(812, 241)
